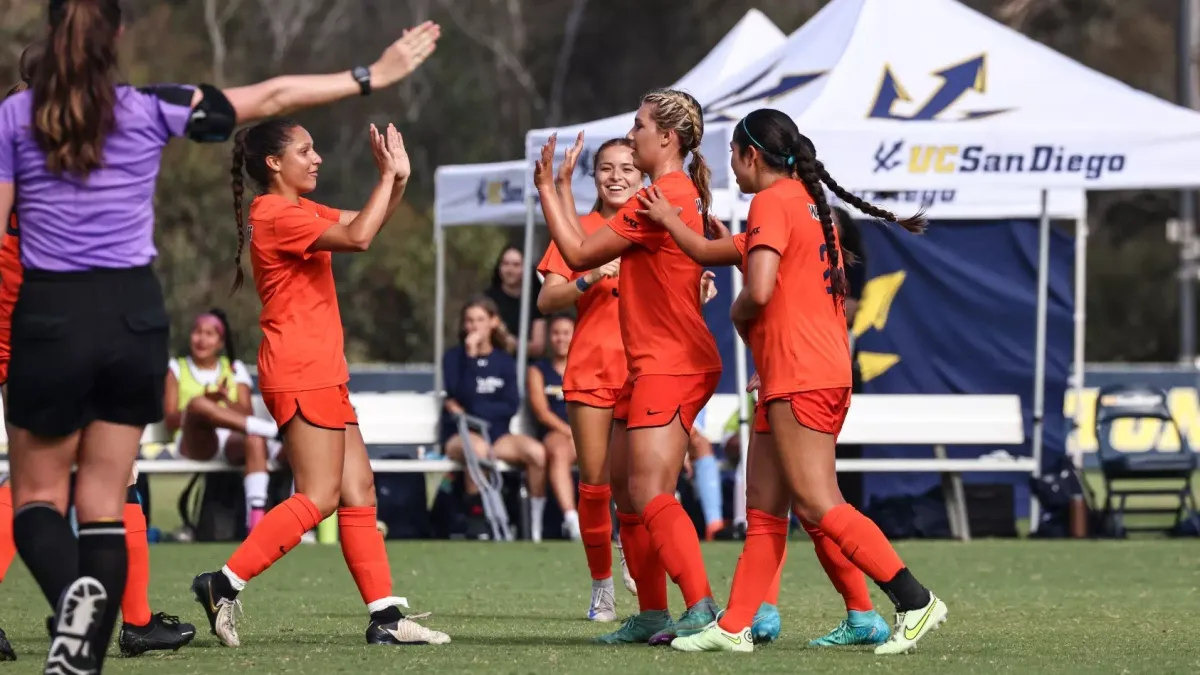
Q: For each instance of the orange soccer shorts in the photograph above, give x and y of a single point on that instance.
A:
(328, 408)
(654, 400)
(822, 410)
(593, 398)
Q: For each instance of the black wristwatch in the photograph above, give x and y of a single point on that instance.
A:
(362, 75)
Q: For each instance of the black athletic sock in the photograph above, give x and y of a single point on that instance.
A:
(905, 591)
(221, 586)
(49, 548)
(103, 557)
(387, 615)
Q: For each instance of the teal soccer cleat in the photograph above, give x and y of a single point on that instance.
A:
(858, 628)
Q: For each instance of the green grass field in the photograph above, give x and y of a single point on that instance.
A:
(1015, 607)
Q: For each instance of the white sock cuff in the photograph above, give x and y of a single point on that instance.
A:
(238, 584)
(257, 426)
(384, 603)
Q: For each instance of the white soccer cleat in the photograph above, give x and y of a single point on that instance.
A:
(630, 584)
(714, 639)
(404, 632)
(913, 625)
(74, 625)
(604, 604)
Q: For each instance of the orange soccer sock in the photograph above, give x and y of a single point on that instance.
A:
(8, 547)
(862, 542)
(595, 527)
(135, 601)
(757, 569)
(678, 546)
(644, 565)
(277, 533)
(773, 592)
(843, 574)
(362, 547)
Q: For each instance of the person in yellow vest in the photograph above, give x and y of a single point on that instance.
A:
(208, 406)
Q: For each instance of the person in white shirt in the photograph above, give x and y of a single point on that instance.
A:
(208, 407)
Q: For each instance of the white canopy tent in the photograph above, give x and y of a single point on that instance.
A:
(979, 106)
(496, 194)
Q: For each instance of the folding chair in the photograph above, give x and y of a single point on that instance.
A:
(1144, 473)
(487, 476)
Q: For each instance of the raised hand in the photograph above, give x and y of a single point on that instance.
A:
(383, 157)
(708, 287)
(611, 269)
(715, 229)
(543, 168)
(567, 170)
(395, 148)
(405, 55)
(657, 208)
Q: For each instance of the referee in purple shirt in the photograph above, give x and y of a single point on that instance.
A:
(79, 155)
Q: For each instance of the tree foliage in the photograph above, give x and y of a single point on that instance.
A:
(505, 66)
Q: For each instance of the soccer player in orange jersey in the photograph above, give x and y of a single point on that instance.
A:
(793, 304)
(596, 367)
(302, 371)
(673, 360)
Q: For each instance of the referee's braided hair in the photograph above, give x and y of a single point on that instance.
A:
(251, 148)
(785, 150)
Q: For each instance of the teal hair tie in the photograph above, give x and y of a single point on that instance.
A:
(791, 160)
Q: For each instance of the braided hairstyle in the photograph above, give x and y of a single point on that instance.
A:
(785, 150)
(251, 148)
(680, 112)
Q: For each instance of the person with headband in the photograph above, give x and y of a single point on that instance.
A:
(791, 312)
(209, 409)
(90, 328)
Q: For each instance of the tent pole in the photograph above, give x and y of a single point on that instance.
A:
(526, 283)
(439, 304)
(742, 379)
(1077, 377)
(1039, 368)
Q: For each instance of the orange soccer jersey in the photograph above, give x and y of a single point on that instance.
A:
(303, 346)
(799, 341)
(597, 357)
(11, 275)
(662, 324)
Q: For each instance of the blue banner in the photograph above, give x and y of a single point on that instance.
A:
(954, 312)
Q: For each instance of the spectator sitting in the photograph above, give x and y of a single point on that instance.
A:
(549, 408)
(505, 291)
(481, 381)
(208, 407)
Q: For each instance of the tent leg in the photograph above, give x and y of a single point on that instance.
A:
(1039, 368)
(744, 413)
(1080, 359)
(526, 285)
(439, 304)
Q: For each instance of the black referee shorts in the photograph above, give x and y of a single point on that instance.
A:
(87, 346)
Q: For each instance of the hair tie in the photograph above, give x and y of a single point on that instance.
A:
(791, 160)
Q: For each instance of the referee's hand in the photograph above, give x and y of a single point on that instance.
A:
(405, 55)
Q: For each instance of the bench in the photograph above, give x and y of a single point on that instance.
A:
(411, 419)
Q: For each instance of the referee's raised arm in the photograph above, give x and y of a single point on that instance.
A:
(80, 153)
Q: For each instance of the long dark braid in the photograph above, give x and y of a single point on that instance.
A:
(251, 148)
(787, 151)
(806, 172)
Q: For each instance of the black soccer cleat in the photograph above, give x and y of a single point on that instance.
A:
(220, 604)
(73, 629)
(164, 632)
(403, 631)
(6, 650)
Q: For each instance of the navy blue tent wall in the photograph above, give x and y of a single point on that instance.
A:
(962, 321)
